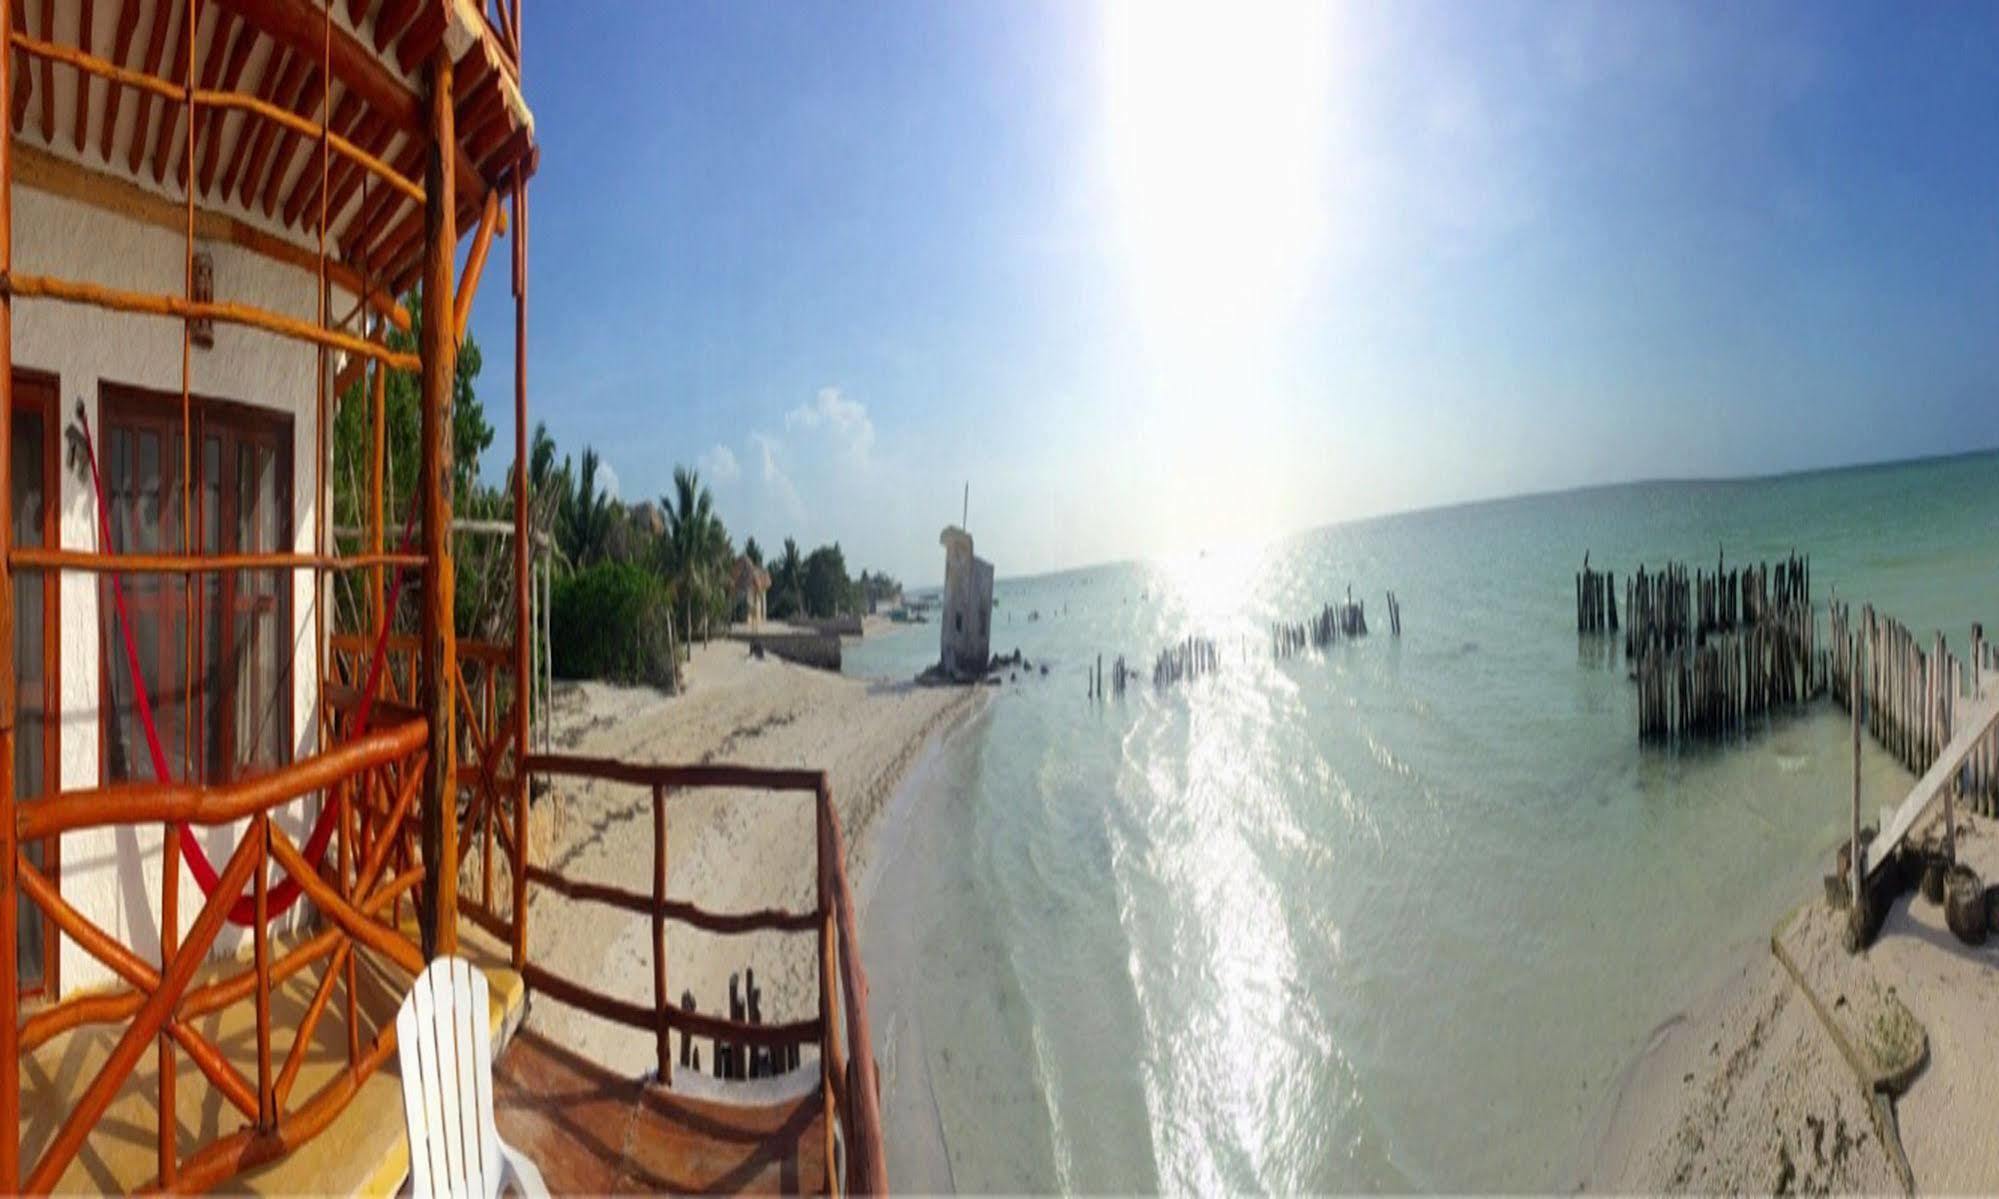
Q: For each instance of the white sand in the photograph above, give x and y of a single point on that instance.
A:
(727, 851)
(1750, 1080)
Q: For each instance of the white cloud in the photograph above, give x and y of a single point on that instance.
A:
(775, 480)
(844, 420)
(719, 465)
(607, 479)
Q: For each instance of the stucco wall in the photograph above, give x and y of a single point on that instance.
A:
(965, 638)
(113, 876)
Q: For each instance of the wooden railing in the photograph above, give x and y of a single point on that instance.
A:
(848, 1082)
(488, 756)
(379, 775)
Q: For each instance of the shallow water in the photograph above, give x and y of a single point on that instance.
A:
(1392, 916)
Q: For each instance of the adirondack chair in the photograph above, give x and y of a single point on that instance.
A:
(445, 1040)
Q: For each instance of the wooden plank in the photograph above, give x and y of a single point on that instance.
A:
(1980, 719)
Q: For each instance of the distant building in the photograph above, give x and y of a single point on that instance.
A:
(968, 606)
(750, 585)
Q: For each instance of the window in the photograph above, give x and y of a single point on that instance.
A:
(36, 750)
(234, 716)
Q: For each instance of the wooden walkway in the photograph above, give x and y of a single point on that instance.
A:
(1978, 722)
(592, 1131)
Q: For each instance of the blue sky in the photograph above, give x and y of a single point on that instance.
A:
(1157, 278)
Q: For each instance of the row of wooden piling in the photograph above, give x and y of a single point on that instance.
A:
(1120, 675)
(1189, 659)
(1911, 693)
(1394, 615)
(1334, 621)
(1717, 686)
(1596, 600)
(1712, 652)
(1673, 605)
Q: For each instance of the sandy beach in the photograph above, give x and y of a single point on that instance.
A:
(1749, 1090)
(727, 851)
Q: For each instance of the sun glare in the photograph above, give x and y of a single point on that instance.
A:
(1216, 121)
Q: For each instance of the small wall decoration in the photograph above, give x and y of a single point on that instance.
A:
(201, 331)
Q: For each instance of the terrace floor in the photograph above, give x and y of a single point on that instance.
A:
(592, 1131)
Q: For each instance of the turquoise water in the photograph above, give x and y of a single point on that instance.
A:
(1394, 916)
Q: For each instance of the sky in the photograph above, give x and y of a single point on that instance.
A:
(1153, 278)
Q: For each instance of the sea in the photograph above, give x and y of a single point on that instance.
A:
(1399, 914)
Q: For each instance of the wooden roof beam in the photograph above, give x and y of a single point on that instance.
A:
(18, 102)
(230, 39)
(421, 38)
(280, 74)
(156, 50)
(285, 147)
(345, 115)
(121, 49)
(247, 174)
(80, 129)
(300, 25)
(170, 114)
(232, 79)
(48, 73)
(389, 22)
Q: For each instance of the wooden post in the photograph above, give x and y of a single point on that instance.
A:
(661, 1039)
(1857, 865)
(439, 352)
(828, 981)
(523, 605)
(10, 1028)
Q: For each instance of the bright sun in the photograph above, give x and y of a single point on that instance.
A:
(1217, 128)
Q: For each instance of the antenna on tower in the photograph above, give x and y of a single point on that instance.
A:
(965, 513)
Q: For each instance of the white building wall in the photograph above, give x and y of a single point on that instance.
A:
(112, 876)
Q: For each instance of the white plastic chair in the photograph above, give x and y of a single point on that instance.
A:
(445, 1040)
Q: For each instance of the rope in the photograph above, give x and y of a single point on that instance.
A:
(243, 911)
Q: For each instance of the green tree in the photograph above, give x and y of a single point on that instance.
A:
(827, 588)
(753, 552)
(787, 583)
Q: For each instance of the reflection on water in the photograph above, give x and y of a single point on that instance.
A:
(1390, 916)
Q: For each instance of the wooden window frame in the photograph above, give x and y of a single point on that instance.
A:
(124, 402)
(42, 394)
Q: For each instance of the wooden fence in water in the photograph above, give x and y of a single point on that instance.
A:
(1596, 600)
(1711, 653)
(1913, 693)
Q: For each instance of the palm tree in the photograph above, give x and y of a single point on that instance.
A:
(696, 544)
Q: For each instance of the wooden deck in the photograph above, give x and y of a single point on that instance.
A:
(592, 1131)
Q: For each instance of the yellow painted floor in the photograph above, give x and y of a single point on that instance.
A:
(362, 1152)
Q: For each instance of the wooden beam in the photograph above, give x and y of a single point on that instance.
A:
(46, 172)
(439, 353)
(48, 74)
(170, 114)
(299, 26)
(475, 265)
(17, 10)
(227, 49)
(216, 123)
(114, 96)
(389, 21)
(283, 74)
(79, 131)
(306, 186)
(156, 49)
(422, 37)
(285, 147)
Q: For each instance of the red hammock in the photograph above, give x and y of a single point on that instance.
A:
(280, 897)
